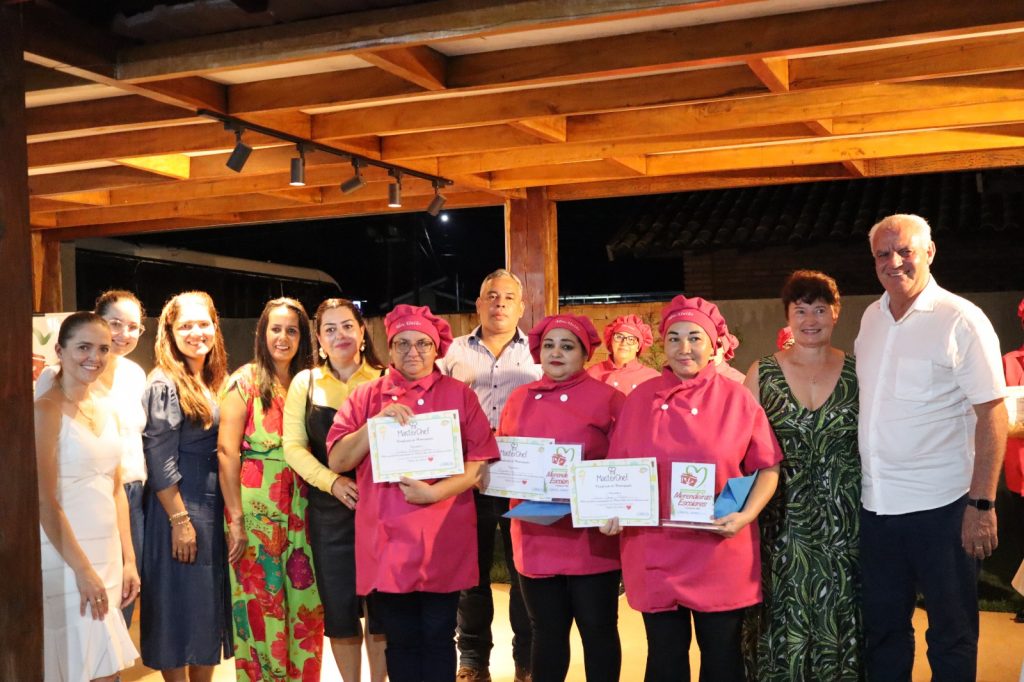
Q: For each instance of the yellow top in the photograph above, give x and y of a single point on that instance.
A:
(328, 391)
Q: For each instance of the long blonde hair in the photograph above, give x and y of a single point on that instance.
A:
(195, 405)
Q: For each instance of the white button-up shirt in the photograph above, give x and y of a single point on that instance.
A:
(919, 377)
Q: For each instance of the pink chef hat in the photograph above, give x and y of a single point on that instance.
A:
(785, 338)
(730, 343)
(629, 324)
(580, 325)
(695, 309)
(418, 318)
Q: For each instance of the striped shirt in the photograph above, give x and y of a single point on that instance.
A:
(492, 378)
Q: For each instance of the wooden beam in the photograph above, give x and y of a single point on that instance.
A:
(176, 166)
(735, 41)
(373, 206)
(417, 64)
(539, 176)
(372, 29)
(46, 274)
(836, 149)
(951, 161)
(547, 128)
(113, 114)
(560, 100)
(458, 141)
(40, 78)
(575, 152)
(633, 164)
(531, 251)
(53, 184)
(944, 58)
(931, 119)
(798, 106)
(21, 623)
(198, 93)
(200, 137)
(55, 39)
(317, 90)
(773, 72)
(857, 169)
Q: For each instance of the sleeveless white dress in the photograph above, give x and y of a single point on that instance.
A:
(75, 647)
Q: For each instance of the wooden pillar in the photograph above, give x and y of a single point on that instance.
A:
(21, 622)
(47, 287)
(531, 251)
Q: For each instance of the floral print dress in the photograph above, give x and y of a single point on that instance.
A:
(276, 609)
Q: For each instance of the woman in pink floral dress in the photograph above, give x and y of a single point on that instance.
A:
(278, 618)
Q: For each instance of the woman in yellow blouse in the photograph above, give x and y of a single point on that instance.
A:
(347, 359)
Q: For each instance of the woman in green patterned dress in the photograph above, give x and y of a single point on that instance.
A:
(809, 626)
(276, 608)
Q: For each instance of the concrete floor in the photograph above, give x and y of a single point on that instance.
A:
(999, 660)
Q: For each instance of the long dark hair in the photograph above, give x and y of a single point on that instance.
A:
(368, 353)
(303, 358)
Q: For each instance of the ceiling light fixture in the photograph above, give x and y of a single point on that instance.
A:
(356, 181)
(299, 168)
(437, 203)
(395, 189)
(240, 154)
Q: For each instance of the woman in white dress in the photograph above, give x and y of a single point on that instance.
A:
(123, 383)
(87, 557)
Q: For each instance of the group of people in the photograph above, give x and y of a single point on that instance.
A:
(264, 531)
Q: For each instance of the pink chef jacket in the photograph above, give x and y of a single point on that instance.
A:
(624, 378)
(1013, 465)
(577, 410)
(403, 547)
(704, 419)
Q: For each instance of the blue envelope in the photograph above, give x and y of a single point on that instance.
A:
(543, 513)
(734, 495)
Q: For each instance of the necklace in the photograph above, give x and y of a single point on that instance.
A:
(89, 418)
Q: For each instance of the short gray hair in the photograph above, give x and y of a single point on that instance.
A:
(498, 274)
(896, 220)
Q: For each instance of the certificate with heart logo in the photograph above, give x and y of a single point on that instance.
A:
(429, 446)
(626, 489)
(692, 496)
(522, 471)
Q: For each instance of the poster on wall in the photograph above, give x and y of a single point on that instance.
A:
(44, 338)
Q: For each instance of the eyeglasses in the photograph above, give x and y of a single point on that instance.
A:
(186, 327)
(626, 339)
(423, 346)
(117, 326)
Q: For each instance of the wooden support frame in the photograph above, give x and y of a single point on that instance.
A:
(531, 251)
(21, 623)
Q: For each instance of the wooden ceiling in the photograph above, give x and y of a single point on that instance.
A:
(594, 98)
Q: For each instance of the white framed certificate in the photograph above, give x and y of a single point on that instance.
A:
(522, 471)
(429, 446)
(692, 495)
(560, 458)
(1015, 404)
(610, 488)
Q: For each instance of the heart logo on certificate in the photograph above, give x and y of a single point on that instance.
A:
(430, 459)
(694, 476)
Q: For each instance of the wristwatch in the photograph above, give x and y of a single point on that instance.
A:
(981, 505)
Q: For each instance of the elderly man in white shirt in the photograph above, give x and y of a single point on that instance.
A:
(932, 434)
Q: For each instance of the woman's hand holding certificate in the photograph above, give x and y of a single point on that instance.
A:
(427, 445)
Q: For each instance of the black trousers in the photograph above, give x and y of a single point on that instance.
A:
(718, 636)
(901, 555)
(593, 602)
(476, 605)
(420, 631)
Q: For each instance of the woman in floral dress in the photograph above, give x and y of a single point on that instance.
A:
(276, 608)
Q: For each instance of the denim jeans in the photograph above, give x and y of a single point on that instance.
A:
(136, 518)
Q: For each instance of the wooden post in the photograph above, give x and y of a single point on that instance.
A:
(47, 287)
(21, 617)
(531, 251)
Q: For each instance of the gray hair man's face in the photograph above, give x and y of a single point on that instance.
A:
(500, 306)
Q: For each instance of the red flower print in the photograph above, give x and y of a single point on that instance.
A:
(311, 670)
(256, 624)
(251, 668)
(250, 574)
(272, 604)
(309, 629)
(252, 473)
(279, 649)
(295, 522)
(299, 568)
(273, 419)
(281, 490)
